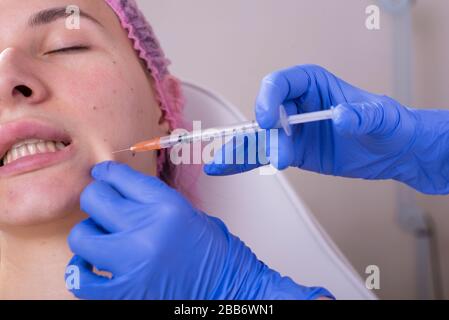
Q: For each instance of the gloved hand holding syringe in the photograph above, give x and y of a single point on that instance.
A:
(248, 127)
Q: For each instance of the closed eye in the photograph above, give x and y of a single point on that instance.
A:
(68, 49)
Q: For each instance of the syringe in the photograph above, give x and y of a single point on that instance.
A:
(248, 127)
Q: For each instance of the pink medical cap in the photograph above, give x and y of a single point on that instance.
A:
(147, 45)
(168, 88)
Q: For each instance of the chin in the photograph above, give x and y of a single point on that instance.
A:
(42, 196)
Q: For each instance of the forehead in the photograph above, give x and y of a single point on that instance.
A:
(15, 14)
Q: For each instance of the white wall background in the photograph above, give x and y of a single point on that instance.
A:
(228, 46)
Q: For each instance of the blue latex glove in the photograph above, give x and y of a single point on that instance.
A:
(371, 136)
(157, 246)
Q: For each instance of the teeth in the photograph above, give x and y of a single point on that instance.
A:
(60, 146)
(14, 154)
(31, 147)
(22, 143)
(41, 146)
(51, 146)
(23, 151)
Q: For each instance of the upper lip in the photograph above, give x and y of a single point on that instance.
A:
(17, 131)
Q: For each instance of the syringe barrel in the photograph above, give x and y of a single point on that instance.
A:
(249, 127)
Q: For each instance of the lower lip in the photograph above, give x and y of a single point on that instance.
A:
(36, 162)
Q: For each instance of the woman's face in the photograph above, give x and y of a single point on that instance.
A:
(94, 98)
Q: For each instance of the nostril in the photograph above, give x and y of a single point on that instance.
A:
(24, 90)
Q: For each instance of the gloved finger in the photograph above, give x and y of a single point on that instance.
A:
(275, 89)
(365, 118)
(238, 155)
(108, 208)
(291, 108)
(82, 282)
(90, 242)
(130, 183)
(280, 149)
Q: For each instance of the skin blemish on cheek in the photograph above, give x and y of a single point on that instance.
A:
(94, 108)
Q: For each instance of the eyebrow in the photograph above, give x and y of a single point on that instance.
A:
(48, 16)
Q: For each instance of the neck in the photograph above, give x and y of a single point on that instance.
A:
(33, 260)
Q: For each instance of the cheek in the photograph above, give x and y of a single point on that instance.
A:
(87, 89)
(107, 92)
(112, 110)
(123, 109)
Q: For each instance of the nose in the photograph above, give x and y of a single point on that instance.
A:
(18, 84)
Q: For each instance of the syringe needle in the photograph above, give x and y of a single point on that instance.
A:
(120, 151)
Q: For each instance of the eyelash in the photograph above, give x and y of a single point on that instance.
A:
(69, 49)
